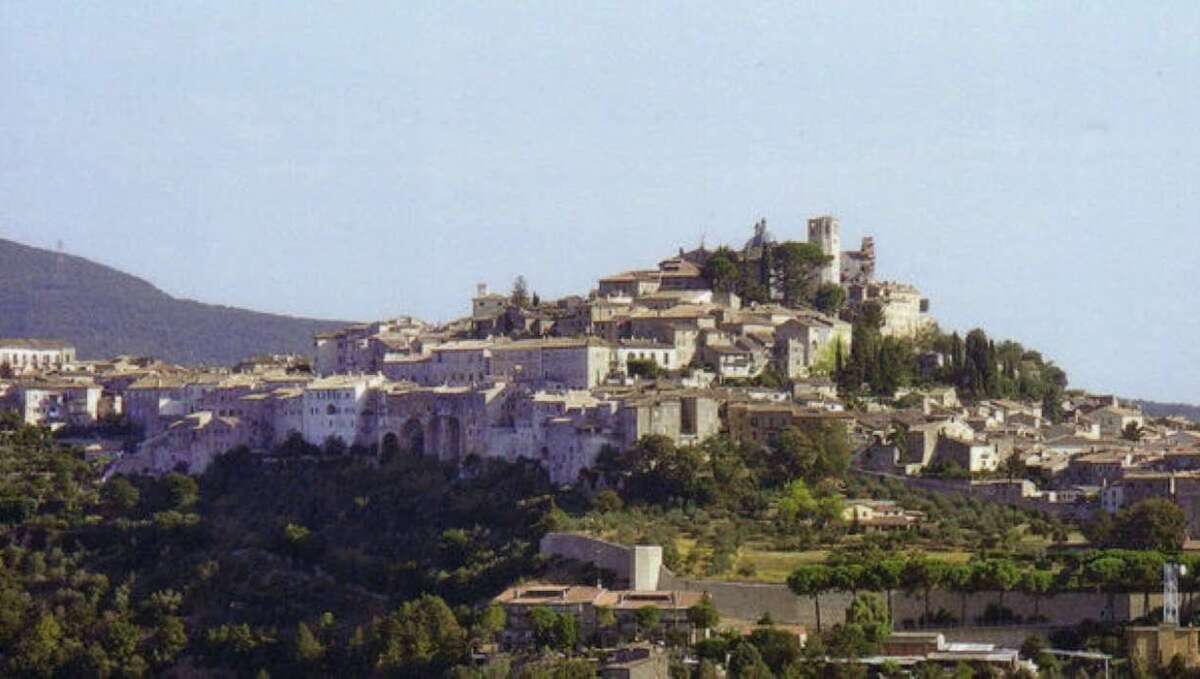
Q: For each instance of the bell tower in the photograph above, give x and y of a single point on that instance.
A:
(825, 233)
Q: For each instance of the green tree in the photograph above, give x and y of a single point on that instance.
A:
(922, 574)
(1153, 524)
(607, 501)
(830, 298)
(645, 368)
(1037, 583)
(795, 456)
(182, 491)
(308, 649)
(40, 651)
(847, 578)
(421, 636)
(777, 647)
(169, 640)
(811, 580)
(960, 578)
(543, 621)
(796, 502)
(703, 614)
(1106, 574)
(1001, 575)
(745, 662)
(520, 292)
(979, 376)
(121, 646)
(722, 271)
(647, 619)
(489, 623)
(120, 496)
(869, 613)
(566, 632)
(887, 573)
(796, 270)
(1133, 432)
(1142, 572)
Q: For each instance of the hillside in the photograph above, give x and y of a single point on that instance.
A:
(105, 312)
(1156, 409)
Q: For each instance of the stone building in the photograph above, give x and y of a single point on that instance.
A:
(361, 348)
(56, 403)
(1114, 419)
(905, 311)
(336, 407)
(487, 304)
(672, 274)
(23, 356)
(762, 423)
(188, 445)
(565, 363)
(665, 356)
(968, 454)
(858, 266)
(153, 401)
(449, 423)
(809, 341)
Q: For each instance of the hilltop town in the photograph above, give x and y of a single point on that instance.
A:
(788, 350)
(709, 341)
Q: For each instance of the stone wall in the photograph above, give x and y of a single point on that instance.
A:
(1071, 511)
(749, 600)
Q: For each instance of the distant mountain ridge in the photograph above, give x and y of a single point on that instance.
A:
(105, 312)
(1156, 409)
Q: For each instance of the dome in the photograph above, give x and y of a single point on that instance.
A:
(761, 236)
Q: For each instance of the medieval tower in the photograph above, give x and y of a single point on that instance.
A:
(824, 232)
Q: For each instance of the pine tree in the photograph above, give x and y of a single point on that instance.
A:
(308, 648)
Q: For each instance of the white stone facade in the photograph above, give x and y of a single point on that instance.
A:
(24, 356)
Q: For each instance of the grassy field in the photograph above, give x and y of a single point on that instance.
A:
(758, 564)
(767, 566)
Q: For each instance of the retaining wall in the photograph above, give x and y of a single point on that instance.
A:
(750, 600)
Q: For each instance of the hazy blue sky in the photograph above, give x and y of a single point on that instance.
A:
(1032, 167)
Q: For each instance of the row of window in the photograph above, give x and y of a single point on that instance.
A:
(25, 359)
(333, 395)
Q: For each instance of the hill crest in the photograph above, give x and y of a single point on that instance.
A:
(105, 312)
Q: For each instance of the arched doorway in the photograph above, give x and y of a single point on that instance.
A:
(389, 447)
(446, 435)
(412, 437)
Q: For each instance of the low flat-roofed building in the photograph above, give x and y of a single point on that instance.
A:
(583, 602)
(871, 516)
